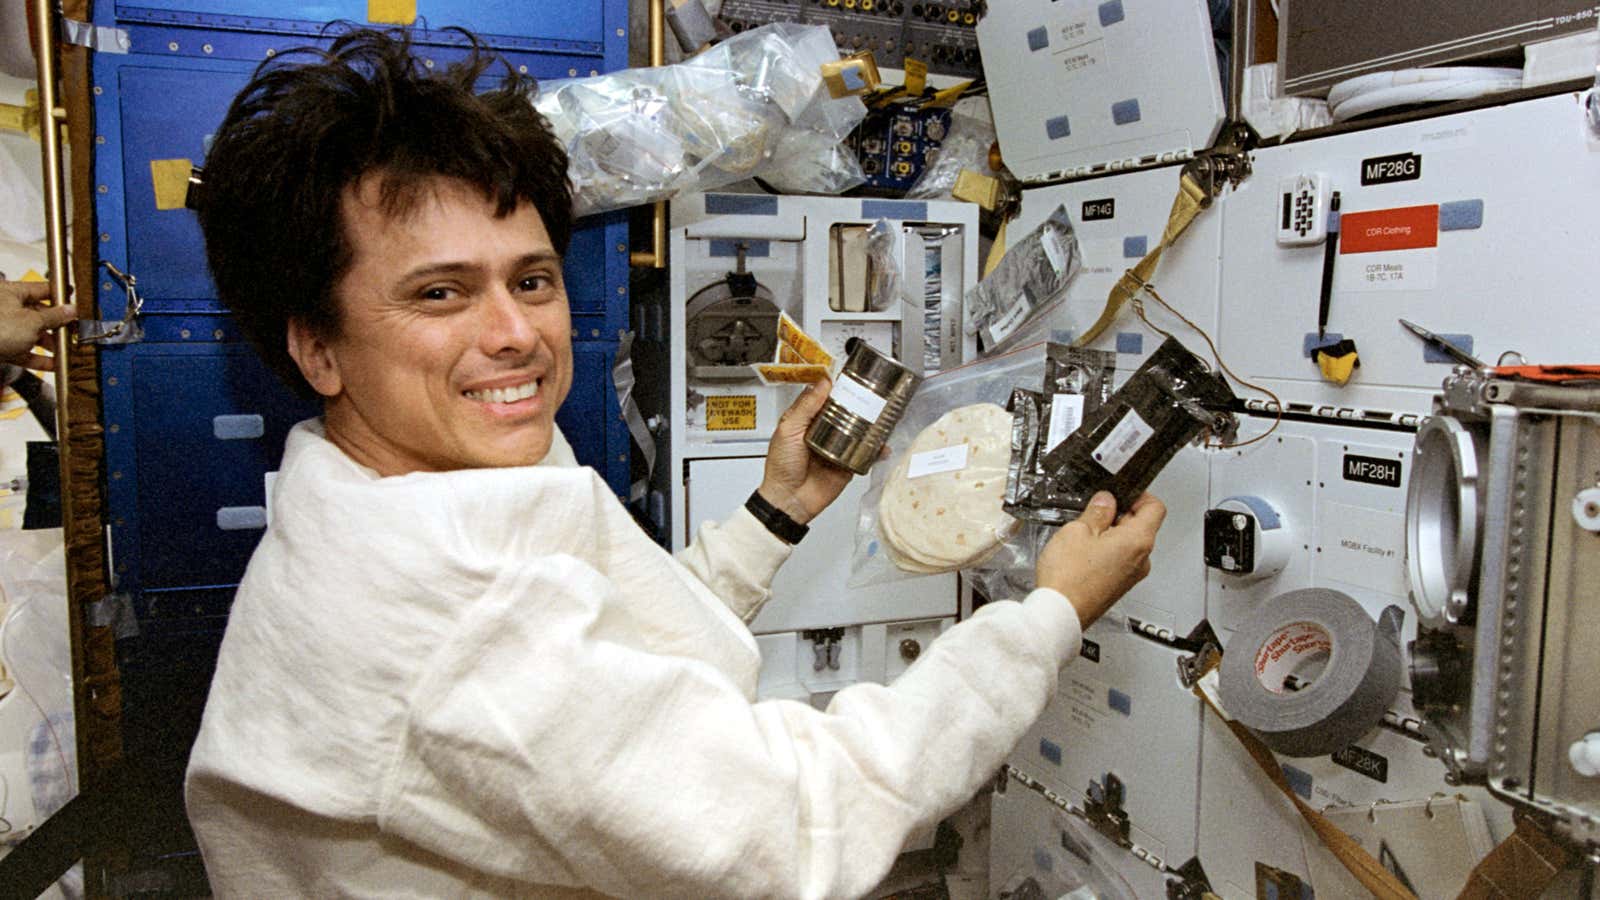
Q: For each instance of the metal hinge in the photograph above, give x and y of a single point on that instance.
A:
(1225, 163)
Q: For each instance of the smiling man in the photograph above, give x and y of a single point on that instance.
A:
(455, 667)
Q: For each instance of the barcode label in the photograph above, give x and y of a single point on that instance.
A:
(1066, 414)
(1123, 442)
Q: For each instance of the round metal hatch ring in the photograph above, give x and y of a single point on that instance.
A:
(1442, 519)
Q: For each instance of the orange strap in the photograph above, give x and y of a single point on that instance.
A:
(1550, 373)
(1367, 870)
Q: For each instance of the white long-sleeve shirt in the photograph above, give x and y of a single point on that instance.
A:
(491, 683)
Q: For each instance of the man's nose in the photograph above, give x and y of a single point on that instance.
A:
(506, 326)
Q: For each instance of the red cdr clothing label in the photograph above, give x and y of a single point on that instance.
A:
(1403, 228)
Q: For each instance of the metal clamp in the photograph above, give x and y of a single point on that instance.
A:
(1226, 162)
(127, 331)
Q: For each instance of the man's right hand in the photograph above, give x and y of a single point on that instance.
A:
(1095, 560)
(25, 321)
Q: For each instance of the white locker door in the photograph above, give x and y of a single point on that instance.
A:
(811, 590)
(1348, 535)
(1491, 235)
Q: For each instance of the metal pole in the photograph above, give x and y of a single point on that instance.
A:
(52, 116)
(656, 257)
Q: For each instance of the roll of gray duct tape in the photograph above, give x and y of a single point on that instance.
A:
(1313, 672)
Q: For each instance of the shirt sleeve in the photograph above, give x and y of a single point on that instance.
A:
(737, 560)
(544, 746)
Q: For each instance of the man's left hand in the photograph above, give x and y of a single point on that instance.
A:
(797, 481)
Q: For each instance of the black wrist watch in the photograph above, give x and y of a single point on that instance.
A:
(777, 521)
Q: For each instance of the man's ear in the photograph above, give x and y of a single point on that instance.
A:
(316, 359)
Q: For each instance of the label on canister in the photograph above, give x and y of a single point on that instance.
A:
(857, 398)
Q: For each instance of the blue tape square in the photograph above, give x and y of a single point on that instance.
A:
(242, 518)
(1130, 342)
(1039, 38)
(730, 248)
(911, 210)
(1050, 750)
(1119, 701)
(852, 79)
(1299, 780)
(1110, 12)
(238, 428)
(1063, 335)
(741, 205)
(1461, 215)
(1311, 343)
(1125, 112)
(1433, 354)
(1135, 246)
(1057, 128)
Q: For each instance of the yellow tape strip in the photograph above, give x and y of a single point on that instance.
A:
(997, 250)
(916, 76)
(983, 190)
(949, 95)
(170, 177)
(392, 12)
(1185, 207)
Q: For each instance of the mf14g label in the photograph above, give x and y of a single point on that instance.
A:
(1095, 210)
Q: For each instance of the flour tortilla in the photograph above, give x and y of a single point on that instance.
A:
(950, 520)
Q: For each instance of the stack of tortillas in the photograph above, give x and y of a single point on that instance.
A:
(941, 507)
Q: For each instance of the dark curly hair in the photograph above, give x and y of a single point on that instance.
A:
(302, 131)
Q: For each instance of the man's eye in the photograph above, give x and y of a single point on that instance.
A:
(437, 293)
(533, 283)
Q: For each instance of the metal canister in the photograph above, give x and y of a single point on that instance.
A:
(867, 401)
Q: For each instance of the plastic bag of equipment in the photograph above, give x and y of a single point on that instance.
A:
(1172, 399)
(965, 146)
(753, 103)
(935, 505)
(1030, 280)
(885, 249)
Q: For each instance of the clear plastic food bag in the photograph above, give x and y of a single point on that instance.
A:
(943, 484)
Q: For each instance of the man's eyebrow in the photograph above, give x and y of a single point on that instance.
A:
(457, 268)
(440, 268)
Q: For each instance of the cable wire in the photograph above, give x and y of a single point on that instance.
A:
(1138, 307)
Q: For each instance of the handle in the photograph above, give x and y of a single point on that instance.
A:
(656, 256)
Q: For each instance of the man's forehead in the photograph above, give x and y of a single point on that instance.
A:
(431, 208)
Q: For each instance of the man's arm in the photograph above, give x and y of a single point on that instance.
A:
(738, 558)
(553, 748)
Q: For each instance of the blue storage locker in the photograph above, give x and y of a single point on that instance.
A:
(194, 420)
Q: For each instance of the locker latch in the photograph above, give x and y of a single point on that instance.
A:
(127, 331)
(1104, 809)
(824, 647)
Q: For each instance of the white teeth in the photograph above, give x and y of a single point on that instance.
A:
(506, 395)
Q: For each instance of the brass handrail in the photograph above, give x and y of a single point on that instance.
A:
(656, 256)
(52, 116)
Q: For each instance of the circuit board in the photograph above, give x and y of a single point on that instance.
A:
(940, 33)
(896, 143)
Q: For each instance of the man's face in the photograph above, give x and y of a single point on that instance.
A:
(455, 343)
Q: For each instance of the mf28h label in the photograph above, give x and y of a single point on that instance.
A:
(1372, 470)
